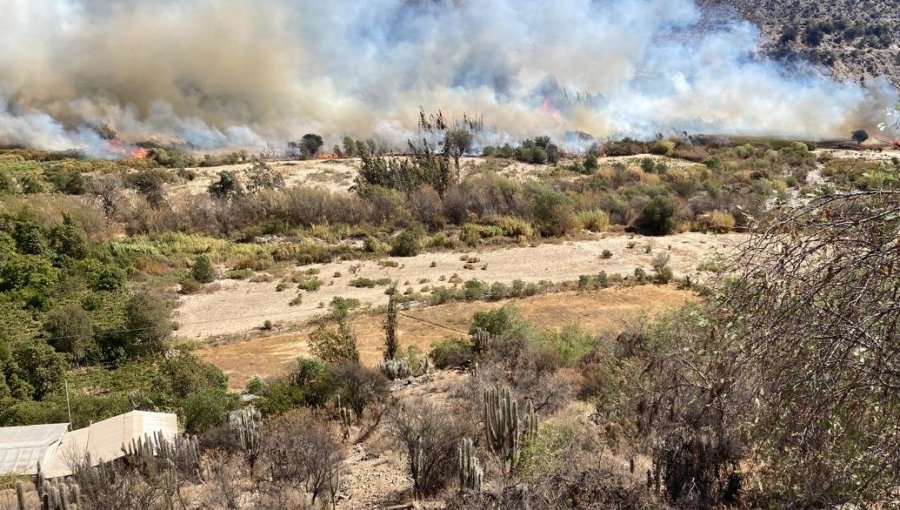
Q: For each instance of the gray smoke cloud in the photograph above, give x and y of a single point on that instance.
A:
(235, 73)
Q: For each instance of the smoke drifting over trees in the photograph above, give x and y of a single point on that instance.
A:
(230, 73)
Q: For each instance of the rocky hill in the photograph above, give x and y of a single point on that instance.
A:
(855, 39)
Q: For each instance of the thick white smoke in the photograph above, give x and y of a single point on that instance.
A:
(235, 73)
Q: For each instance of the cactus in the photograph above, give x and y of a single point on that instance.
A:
(51, 495)
(470, 472)
(20, 495)
(415, 465)
(531, 424)
(246, 423)
(501, 424)
(346, 419)
(395, 369)
(155, 452)
(482, 341)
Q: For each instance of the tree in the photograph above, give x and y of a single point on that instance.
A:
(71, 331)
(39, 366)
(203, 270)
(150, 183)
(147, 325)
(860, 136)
(457, 143)
(335, 344)
(391, 342)
(66, 239)
(310, 144)
(815, 308)
(350, 147)
(227, 186)
(261, 176)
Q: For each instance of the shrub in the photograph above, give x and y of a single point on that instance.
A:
(591, 163)
(406, 244)
(359, 386)
(553, 214)
(663, 148)
(301, 450)
(335, 344)
(203, 271)
(496, 322)
(658, 216)
(430, 435)
(595, 220)
(207, 409)
(606, 254)
(452, 353)
(717, 221)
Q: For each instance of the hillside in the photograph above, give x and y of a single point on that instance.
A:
(855, 39)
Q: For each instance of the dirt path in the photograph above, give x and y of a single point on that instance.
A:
(241, 306)
(606, 310)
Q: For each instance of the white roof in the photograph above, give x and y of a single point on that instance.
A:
(104, 440)
(21, 448)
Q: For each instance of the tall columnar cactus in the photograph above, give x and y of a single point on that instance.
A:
(415, 466)
(154, 452)
(395, 369)
(246, 424)
(51, 495)
(501, 424)
(531, 423)
(482, 340)
(346, 419)
(470, 472)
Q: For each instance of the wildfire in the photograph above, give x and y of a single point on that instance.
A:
(122, 149)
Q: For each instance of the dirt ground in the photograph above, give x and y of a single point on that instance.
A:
(607, 310)
(242, 306)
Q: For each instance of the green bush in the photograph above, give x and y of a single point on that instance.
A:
(206, 410)
(203, 270)
(496, 322)
(658, 217)
(406, 244)
(452, 353)
(147, 325)
(553, 213)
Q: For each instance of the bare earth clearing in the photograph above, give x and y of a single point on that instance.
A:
(607, 310)
(241, 306)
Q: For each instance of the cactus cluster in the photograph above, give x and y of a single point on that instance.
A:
(52, 495)
(153, 451)
(470, 473)
(245, 423)
(501, 424)
(502, 427)
(395, 369)
(482, 341)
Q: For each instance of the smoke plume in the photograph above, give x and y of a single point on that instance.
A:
(211, 74)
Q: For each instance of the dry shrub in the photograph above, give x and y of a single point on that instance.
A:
(716, 221)
(594, 220)
(430, 434)
(301, 450)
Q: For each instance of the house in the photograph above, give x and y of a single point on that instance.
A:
(22, 448)
(58, 449)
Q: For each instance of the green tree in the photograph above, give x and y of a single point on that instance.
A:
(350, 147)
(203, 270)
(860, 136)
(227, 186)
(457, 143)
(147, 325)
(39, 366)
(66, 239)
(71, 331)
